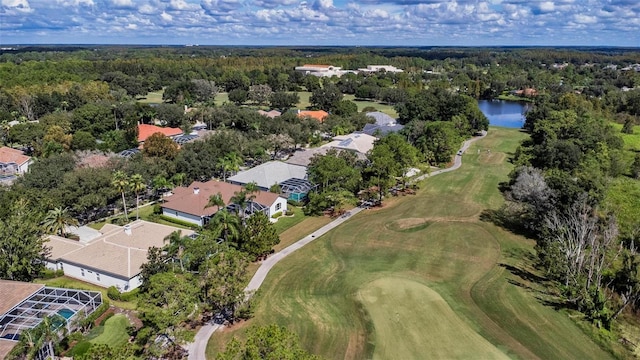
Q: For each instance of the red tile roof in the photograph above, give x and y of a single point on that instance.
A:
(8, 155)
(319, 115)
(185, 200)
(146, 130)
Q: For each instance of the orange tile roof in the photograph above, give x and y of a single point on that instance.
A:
(319, 115)
(8, 155)
(185, 200)
(146, 130)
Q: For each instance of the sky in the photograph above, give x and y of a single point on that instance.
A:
(322, 22)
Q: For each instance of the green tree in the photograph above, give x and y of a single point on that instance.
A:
(238, 96)
(22, 246)
(137, 185)
(57, 220)
(635, 167)
(267, 342)
(168, 300)
(215, 200)
(159, 145)
(120, 181)
(176, 245)
(258, 236)
(325, 98)
(283, 100)
(160, 185)
(382, 168)
(222, 279)
(226, 224)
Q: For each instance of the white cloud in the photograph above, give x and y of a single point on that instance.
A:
(147, 9)
(122, 3)
(76, 3)
(166, 17)
(585, 19)
(19, 6)
(546, 6)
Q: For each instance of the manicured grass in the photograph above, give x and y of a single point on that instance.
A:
(154, 97)
(434, 247)
(112, 333)
(294, 216)
(67, 282)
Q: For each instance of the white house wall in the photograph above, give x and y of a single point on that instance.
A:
(273, 209)
(194, 219)
(98, 278)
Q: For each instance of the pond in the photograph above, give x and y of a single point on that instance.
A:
(504, 113)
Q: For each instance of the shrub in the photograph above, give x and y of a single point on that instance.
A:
(276, 215)
(88, 321)
(113, 293)
(129, 296)
(157, 209)
(80, 348)
(295, 203)
(50, 274)
(178, 221)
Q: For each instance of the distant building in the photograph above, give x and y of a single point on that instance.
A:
(319, 115)
(270, 114)
(146, 130)
(322, 70)
(377, 68)
(356, 142)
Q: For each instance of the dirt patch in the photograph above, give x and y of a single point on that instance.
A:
(111, 310)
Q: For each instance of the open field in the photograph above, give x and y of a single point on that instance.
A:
(416, 277)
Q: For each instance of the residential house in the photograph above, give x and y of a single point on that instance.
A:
(270, 114)
(113, 259)
(318, 115)
(13, 162)
(357, 142)
(384, 124)
(146, 130)
(190, 203)
(23, 306)
(292, 178)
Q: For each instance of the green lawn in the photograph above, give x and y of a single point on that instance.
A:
(112, 333)
(294, 216)
(154, 97)
(423, 277)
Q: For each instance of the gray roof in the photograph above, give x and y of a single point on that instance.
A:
(269, 173)
(382, 119)
(373, 129)
(303, 157)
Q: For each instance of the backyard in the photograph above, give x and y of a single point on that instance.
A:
(423, 277)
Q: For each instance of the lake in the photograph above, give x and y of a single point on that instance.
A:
(504, 113)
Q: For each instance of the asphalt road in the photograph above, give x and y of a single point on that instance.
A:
(199, 345)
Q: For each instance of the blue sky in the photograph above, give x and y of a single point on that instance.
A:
(322, 22)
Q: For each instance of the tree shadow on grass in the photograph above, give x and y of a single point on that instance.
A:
(507, 220)
(528, 280)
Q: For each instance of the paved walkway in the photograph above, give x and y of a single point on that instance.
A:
(199, 345)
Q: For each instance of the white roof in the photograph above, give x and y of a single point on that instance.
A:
(358, 142)
(269, 174)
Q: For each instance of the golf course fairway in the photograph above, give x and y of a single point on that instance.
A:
(426, 276)
(430, 328)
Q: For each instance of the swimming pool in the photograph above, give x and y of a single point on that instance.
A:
(66, 313)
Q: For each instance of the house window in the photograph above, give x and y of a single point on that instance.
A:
(82, 272)
(97, 276)
(278, 206)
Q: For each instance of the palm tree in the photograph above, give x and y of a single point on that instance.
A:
(215, 200)
(121, 182)
(176, 245)
(241, 199)
(137, 185)
(178, 179)
(161, 184)
(224, 166)
(57, 220)
(226, 224)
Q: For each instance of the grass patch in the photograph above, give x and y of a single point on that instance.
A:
(112, 333)
(294, 216)
(154, 97)
(67, 282)
(465, 282)
(631, 141)
(622, 197)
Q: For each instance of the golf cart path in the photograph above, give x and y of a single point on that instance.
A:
(197, 349)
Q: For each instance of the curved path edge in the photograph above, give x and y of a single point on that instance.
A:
(197, 349)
